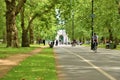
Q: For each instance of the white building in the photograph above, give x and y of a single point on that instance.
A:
(62, 37)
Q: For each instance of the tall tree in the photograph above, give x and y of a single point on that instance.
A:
(46, 8)
(11, 11)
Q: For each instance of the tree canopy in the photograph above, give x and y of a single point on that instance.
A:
(40, 19)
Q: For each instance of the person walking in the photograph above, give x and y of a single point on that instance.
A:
(44, 42)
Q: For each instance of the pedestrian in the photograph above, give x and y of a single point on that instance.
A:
(56, 43)
(53, 42)
(107, 44)
(44, 42)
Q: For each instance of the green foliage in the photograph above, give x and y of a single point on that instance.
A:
(45, 20)
(106, 17)
(46, 24)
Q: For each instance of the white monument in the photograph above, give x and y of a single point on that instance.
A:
(62, 37)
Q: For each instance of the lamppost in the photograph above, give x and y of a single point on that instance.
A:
(92, 24)
(72, 26)
(72, 17)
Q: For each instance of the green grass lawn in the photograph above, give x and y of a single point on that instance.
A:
(5, 52)
(38, 67)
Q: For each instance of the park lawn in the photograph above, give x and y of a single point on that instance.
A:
(5, 52)
(38, 67)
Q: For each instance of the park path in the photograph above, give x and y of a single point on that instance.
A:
(7, 63)
(81, 63)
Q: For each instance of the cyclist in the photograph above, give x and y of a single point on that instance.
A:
(95, 41)
(74, 42)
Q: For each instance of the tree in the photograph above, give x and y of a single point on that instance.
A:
(38, 16)
(11, 11)
(35, 13)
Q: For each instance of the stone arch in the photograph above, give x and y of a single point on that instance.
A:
(61, 39)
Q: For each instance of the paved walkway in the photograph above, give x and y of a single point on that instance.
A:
(80, 63)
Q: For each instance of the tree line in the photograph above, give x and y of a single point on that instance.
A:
(23, 21)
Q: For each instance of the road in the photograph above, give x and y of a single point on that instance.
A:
(80, 63)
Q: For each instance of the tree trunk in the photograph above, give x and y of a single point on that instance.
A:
(110, 35)
(31, 35)
(12, 33)
(25, 39)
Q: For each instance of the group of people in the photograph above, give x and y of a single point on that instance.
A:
(109, 43)
(41, 41)
(55, 42)
(52, 43)
(94, 42)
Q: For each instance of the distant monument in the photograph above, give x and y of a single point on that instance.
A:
(62, 37)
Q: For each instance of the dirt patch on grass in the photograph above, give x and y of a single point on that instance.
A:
(8, 63)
